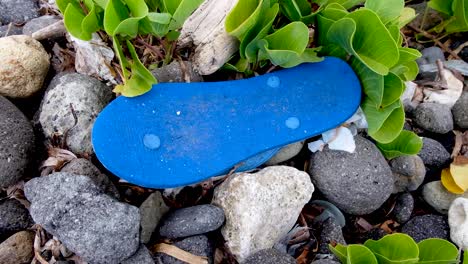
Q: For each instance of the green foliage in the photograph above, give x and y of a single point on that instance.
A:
(398, 249)
(251, 22)
(407, 143)
(124, 20)
(370, 39)
(456, 13)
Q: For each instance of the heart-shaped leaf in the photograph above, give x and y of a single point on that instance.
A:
(385, 124)
(294, 10)
(407, 143)
(437, 251)
(114, 14)
(394, 248)
(356, 33)
(443, 6)
(183, 10)
(243, 17)
(387, 10)
(460, 15)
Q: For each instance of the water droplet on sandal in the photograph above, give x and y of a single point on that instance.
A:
(151, 141)
(292, 122)
(273, 81)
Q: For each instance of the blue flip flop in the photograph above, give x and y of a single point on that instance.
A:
(183, 133)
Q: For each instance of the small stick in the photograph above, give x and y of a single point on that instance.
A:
(436, 41)
(54, 30)
(459, 49)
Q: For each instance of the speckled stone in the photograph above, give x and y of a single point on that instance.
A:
(427, 226)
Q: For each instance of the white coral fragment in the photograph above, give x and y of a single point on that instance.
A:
(458, 222)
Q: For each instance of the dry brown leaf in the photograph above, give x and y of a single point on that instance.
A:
(458, 143)
(386, 226)
(303, 258)
(179, 254)
(460, 161)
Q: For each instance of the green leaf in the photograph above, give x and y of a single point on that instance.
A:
(73, 17)
(393, 89)
(360, 254)
(141, 79)
(129, 27)
(406, 16)
(287, 46)
(394, 248)
(396, 34)
(155, 23)
(443, 6)
(387, 10)
(248, 47)
(347, 4)
(114, 13)
(407, 143)
(294, 10)
(183, 11)
(91, 23)
(340, 251)
(160, 18)
(357, 33)
(385, 124)
(437, 251)
(63, 4)
(460, 13)
(372, 83)
(243, 17)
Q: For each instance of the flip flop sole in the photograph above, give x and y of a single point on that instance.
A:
(182, 133)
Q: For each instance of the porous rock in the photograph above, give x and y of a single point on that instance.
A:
(90, 223)
(24, 66)
(357, 183)
(427, 226)
(408, 173)
(69, 95)
(261, 207)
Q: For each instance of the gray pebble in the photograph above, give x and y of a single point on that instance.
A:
(198, 245)
(16, 143)
(427, 226)
(431, 55)
(142, 256)
(435, 194)
(357, 183)
(36, 24)
(460, 111)
(375, 234)
(403, 208)
(18, 11)
(408, 173)
(10, 30)
(174, 73)
(192, 221)
(90, 223)
(87, 168)
(87, 95)
(433, 153)
(331, 233)
(436, 118)
(325, 261)
(14, 217)
(269, 256)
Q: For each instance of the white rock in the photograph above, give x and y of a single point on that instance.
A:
(261, 208)
(94, 58)
(87, 96)
(24, 66)
(458, 222)
(205, 30)
(286, 153)
(435, 194)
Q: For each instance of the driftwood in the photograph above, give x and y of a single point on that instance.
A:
(205, 30)
(54, 30)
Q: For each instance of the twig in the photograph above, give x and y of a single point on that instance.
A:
(436, 41)
(153, 49)
(54, 30)
(180, 254)
(459, 49)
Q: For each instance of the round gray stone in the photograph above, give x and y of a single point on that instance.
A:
(431, 55)
(460, 111)
(87, 96)
(357, 183)
(436, 118)
(18, 11)
(427, 226)
(331, 233)
(408, 173)
(191, 221)
(14, 217)
(142, 256)
(85, 167)
(403, 207)
(269, 256)
(16, 143)
(435, 194)
(198, 245)
(90, 223)
(10, 30)
(151, 212)
(325, 261)
(38, 23)
(433, 153)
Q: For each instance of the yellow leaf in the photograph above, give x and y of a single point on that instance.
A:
(449, 183)
(459, 173)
